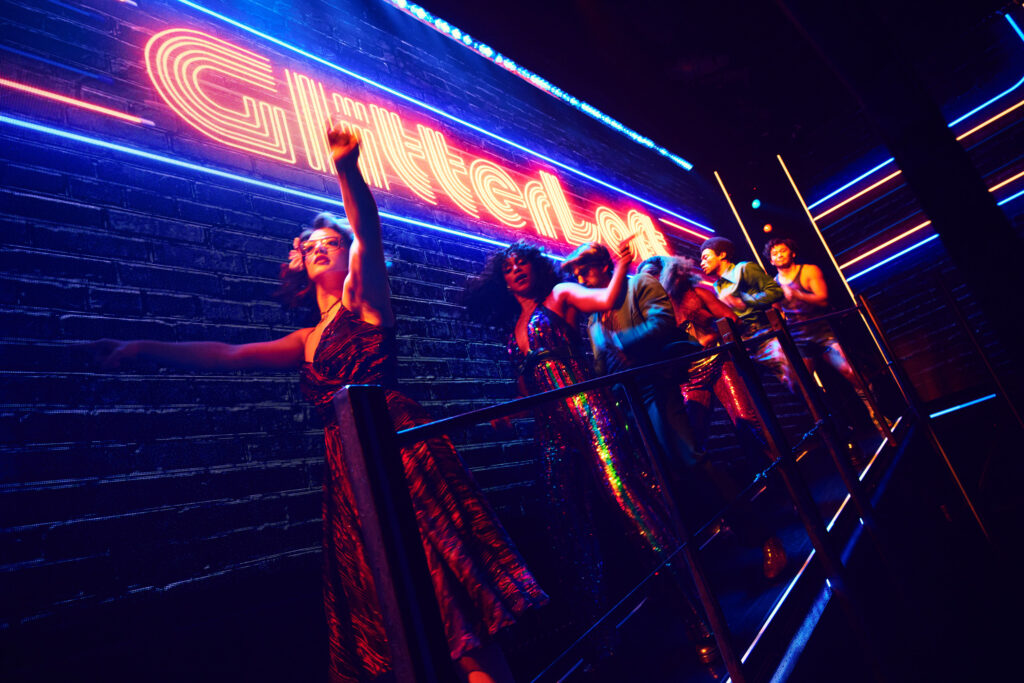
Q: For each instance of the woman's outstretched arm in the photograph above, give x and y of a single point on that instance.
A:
(596, 300)
(283, 353)
(367, 291)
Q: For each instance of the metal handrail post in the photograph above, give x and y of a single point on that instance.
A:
(962, 319)
(846, 285)
(719, 626)
(800, 494)
(869, 395)
(917, 406)
(394, 549)
(812, 396)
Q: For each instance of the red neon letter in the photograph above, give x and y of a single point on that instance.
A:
(540, 209)
(649, 242)
(611, 228)
(371, 158)
(498, 192)
(177, 61)
(311, 113)
(402, 151)
(549, 194)
(447, 167)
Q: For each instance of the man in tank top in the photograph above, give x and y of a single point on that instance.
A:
(805, 296)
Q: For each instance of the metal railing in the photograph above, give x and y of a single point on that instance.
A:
(394, 551)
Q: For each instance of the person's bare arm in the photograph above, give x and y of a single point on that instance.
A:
(814, 280)
(594, 300)
(367, 291)
(283, 353)
(715, 308)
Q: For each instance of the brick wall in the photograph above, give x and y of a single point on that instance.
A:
(154, 505)
(130, 498)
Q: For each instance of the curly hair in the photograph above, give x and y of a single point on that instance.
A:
(487, 298)
(774, 242)
(678, 277)
(296, 290)
(720, 245)
(655, 264)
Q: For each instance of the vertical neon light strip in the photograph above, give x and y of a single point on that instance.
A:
(814, 224)
(735, 213)
(831, 256)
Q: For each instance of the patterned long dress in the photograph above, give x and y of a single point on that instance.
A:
(480, 580)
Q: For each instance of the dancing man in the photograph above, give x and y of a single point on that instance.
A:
(749, 292)
(805, 296)
(636, 331)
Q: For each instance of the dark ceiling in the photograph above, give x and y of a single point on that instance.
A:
(723, 83)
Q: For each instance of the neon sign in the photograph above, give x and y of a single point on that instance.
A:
(241, 99)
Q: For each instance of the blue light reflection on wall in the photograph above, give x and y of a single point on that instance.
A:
(320, 199)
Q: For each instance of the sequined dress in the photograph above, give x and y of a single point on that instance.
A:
(479, 577)
(583, 439)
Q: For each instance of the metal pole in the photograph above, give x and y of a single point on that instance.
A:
(719, 626)
(743, 228)
(914, 401)
(868, 395)
(814, 225)
(842, 278)
(394, 549)
(811, 395)
(978, 347)
(800, 494)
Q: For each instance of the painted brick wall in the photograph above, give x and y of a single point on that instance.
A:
(193, 499)
(136, 500)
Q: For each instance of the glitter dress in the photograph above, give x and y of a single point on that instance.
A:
(583, 440)
(479, 578)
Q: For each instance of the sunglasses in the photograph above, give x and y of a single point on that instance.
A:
(330, 244)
